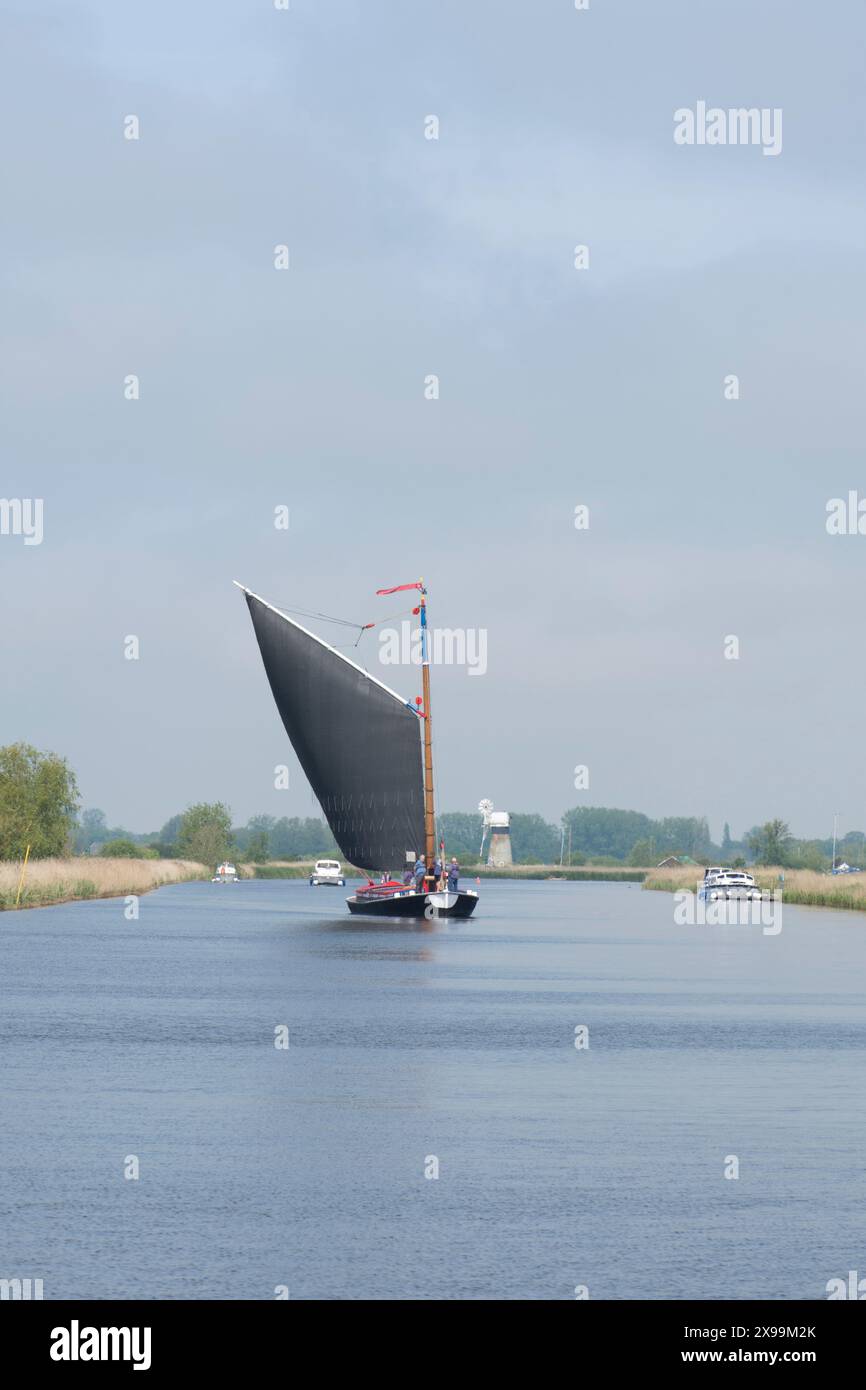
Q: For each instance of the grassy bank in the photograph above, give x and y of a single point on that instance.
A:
(294, 869)
(801, 886)
(602, 874)
(67, 880)
(586, 873)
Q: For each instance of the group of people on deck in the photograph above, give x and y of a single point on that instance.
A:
(441, 874)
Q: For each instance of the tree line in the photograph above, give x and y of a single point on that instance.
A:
(40, 807)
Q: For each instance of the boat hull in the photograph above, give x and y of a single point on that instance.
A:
(415, 905)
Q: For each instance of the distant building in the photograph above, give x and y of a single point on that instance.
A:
(499, 854)
(499, 826)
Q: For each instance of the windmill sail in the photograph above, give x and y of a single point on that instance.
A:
(357, 741)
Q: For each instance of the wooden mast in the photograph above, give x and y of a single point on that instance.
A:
(429, 814)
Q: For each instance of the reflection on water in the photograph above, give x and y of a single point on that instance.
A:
(305, 1165)
(371, 949)
(361, 938)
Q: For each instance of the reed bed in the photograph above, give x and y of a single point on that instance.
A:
(801, 886)
(67, 880)
(602, 874)
(589, 873)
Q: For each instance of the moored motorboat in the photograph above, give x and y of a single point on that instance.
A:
(719, 883)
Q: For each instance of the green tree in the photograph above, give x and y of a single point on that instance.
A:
(643, 854)
(770, 843)
(682, 835)
(256, 840)
(121, 849)
(598, 830)
(461, 831)
(809, 854)
(533, 839)
(92, 829)
(205, 833)
(296, 838)
(38, 802)
(852, 849)
(257, 847)
(282, 840)
(167, 837)
(726, 843)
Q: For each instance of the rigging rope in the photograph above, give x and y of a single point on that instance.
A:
(346, 622)
(324, 617)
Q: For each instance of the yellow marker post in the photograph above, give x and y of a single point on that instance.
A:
(21, 879)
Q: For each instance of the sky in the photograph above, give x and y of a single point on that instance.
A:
(558, 387)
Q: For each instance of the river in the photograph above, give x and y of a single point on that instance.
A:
(149, 1044)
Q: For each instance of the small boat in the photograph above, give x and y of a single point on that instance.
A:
(226, 873)
(327, 871)
(360, 747)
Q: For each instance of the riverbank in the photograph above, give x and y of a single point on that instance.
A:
(296, 868)
(51, 881)
(600, 874)
(587, 873)
(802, 887)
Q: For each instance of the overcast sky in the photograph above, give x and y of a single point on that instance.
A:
(558, 387)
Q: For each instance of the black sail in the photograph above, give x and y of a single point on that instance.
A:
(357, 741)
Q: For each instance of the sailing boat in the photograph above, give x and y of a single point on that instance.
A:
(358, 743)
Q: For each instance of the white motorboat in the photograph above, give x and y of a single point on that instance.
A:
(327, 871)
(720, 883)
(226, 873)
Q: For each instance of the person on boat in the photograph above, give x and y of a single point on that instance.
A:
(437, 872)
(420, 872)
(453, 875)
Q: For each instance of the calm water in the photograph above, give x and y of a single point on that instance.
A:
(305, 1167)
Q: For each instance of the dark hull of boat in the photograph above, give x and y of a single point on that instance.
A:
(414, 905)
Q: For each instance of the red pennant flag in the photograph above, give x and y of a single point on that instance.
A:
(398, 588)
